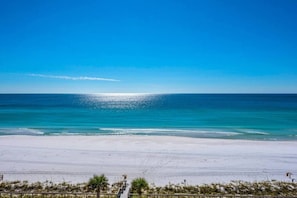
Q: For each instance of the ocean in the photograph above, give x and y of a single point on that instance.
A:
(227, 116)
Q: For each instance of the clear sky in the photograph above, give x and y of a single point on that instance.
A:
(148, 46)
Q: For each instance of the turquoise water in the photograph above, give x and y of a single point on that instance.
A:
(231, 116)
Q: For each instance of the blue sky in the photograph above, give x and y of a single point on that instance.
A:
(211, 46)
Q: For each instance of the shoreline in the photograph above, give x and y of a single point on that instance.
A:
(160, 159)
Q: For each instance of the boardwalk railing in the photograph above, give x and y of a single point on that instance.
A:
(122, 189)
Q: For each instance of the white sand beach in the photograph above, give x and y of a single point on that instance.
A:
(159, 159)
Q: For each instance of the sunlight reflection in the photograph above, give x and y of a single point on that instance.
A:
(119, 100)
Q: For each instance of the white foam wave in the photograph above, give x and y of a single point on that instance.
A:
(188, 132)
(20, 131)
(255, 132)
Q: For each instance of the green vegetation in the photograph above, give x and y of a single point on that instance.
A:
(271, 188)
(140, 188)
(50, 187)
(139, 185)
(98, 183)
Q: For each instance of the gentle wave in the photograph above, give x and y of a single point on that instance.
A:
(211, 133)
(20, 131)
(253, 132)
(174, 132)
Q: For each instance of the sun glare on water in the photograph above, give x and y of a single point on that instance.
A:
(119, 100)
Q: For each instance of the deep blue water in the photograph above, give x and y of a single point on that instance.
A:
(232, 116)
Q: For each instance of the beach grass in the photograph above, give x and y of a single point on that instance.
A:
(270, 188)
(234, 189)
(24, 187)
(264, 188)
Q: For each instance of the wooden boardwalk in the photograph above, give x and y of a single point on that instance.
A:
(126, 191)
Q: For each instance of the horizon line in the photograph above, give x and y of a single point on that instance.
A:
(143, 93)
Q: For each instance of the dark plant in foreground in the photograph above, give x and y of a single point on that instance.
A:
(139, 185)
(98, 183)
